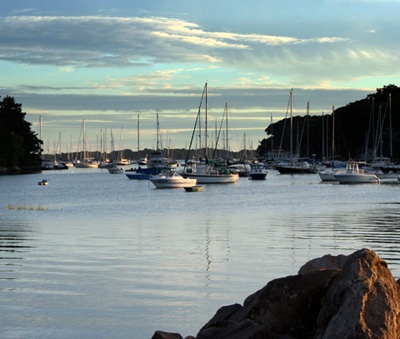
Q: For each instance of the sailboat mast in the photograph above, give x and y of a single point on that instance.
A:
(390, 127)
(40, 127)
(84, 139)
(333, 133)
(158, 133)
(308, 128)
(291, 125)
(227, 129)
(138, 138)
(206, 129)
(272, 136)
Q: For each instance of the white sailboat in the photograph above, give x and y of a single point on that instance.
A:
(207, 172)
(86, 162)
(121, 161)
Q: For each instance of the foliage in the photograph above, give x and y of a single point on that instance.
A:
(19, 145)
(357, 127)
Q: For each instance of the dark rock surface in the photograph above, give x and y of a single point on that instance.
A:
(332, 297)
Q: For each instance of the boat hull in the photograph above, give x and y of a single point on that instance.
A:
(159, 182)
(258, 176)
(295, 170)
(214, 178)
(142, 173)
(356, 179)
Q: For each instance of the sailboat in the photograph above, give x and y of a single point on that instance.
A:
(207, 172)
(121, 161)
(294, 166)
(86, 162)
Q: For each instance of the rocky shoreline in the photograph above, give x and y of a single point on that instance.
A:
(354, 296)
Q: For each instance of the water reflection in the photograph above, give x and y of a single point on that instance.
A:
(14, 242)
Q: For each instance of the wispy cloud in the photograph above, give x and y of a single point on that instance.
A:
(121, 42)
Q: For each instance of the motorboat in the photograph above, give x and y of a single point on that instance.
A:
(172, 180)
(354, 175)
(258, 172)
(327, 175)
(43, 182)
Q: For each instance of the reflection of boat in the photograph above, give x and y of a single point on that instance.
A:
(172, 180)
(195, 188)
(44, 182)
(258, 172)
(142, 173)
(353, 175)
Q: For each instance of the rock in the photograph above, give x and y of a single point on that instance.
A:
(332, 297)
(166, 335)
(327, 262)
(364, 302)
(285, 307)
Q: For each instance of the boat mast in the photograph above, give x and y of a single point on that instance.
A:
(138, 145)
(390, 127)
(272, 137)
(158, 133)
(84, 139)
(291, 125)
(308, 128)
(206, 129)
(333, 133)
(227, 129)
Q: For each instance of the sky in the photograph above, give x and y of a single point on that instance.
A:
(117, 63)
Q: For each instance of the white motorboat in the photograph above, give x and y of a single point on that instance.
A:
(172, 180)
(327, 176)
(354, 175)
(258, 172)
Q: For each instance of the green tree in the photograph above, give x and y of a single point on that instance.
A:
(19, 145)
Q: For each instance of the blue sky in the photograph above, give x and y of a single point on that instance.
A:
(109, 61)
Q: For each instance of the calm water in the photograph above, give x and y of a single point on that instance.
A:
(108, 257)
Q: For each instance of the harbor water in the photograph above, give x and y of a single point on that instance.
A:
(95, 255)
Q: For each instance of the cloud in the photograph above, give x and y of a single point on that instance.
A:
(92, 41)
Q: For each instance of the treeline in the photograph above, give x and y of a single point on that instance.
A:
(360, 130)
(20, 147)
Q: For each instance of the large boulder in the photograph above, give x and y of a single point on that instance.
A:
(363, 302)
(332, 297)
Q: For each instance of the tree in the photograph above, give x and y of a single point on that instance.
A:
(19, 145)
